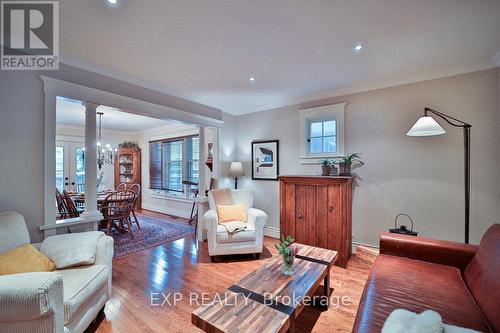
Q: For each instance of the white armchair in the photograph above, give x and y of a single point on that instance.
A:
(220, 242)
(62, 301)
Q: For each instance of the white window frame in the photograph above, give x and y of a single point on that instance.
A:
(323, 113)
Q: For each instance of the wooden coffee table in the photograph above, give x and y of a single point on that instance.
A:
(266, 300)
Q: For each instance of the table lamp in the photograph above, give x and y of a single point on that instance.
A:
(236, 170)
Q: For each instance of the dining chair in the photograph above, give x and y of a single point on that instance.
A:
(61, 205)
(73, 211)
(193, 189)
(121, 187)
(136, 188)
(116, 208)
(80, 205)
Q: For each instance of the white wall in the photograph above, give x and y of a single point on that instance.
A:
(21, 147)
(422, 177)
(227, 136)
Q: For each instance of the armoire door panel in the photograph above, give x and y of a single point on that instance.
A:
(335, 229)
(305, 229)
(322, 212)
(289, 226)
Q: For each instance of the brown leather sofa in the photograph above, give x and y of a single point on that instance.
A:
(461, 282)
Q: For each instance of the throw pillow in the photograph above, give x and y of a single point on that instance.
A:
(24, 259)
(72, 249)
(229, 213)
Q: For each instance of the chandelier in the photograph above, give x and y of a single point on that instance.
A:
(105, 152)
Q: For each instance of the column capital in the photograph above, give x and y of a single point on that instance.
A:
(90, 105)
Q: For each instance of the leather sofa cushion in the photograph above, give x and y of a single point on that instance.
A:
(79, 286)
(483, 276)
(397, 282)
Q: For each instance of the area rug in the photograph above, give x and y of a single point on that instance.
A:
(153, 232)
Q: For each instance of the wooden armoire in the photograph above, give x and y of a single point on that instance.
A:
(128, 169)
(317, 211)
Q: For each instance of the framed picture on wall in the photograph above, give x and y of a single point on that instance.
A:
(265, 160)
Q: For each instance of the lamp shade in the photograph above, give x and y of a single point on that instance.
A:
(426, 126)
(236, 169)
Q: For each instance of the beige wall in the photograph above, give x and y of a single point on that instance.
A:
(422, 177)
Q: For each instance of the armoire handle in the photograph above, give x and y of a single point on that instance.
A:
(330, 209)
(299, 216)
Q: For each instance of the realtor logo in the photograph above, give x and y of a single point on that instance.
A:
(30, 35)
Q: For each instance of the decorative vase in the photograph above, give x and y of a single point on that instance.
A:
(287, 265)
(325, 170)
(345, 169)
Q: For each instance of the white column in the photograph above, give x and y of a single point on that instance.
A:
(202, 176)
(50, 212)
(91, 163)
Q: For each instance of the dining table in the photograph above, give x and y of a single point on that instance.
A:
(79, 198)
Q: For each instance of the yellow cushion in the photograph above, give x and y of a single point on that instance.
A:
(231, 213)
(23, 259)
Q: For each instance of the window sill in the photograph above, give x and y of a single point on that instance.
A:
(316, 158)
(171, 197)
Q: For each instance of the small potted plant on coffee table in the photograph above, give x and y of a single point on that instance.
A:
(326, 167)
(287, 251)
(348, 162)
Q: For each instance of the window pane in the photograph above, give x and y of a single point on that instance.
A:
(155, 167)
(193, 153)
(316, 146)
(195, 148)
(175, 176)
(176, 151)
(172, 165)
(316, 129)
(329, 144)
(60, 168)
(329, 128)
(80, 167)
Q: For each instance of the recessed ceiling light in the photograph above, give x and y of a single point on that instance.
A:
(251, 78)
(357, 47)
(113, 2)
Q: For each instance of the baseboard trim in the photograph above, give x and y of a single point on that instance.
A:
(170, 211)
(354, 244)
(272, 232)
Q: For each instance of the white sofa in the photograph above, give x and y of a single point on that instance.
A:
(65, 300)
(220, 242)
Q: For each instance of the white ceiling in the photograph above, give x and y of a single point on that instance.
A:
(205, 51)
(71, 112)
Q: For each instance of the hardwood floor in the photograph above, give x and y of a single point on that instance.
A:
(181, 267)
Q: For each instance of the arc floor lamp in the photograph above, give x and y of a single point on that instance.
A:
(428, 126)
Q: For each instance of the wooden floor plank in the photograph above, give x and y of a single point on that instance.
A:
(181, 266)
